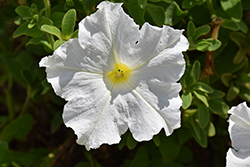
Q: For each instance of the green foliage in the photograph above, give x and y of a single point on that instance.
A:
(5, 154)
(201, 44)
(32, 132)
(233, 8)
(17, 128)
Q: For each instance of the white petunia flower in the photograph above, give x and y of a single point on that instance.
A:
(116, 77)
(239, 130)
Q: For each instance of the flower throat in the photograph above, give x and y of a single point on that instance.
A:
(119, 73)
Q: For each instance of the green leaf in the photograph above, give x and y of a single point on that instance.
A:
(70, 2)
(203, 45)
(226, 79)
(210, 130)
(186, 4)
(89, 6)
(240, 55)
(46, 86)
(68, 23)
(190, 29)
(24, 158)
(244, 78)
(4, 41)
(24, 30)
(75, 34)
(17, 129)
(123, 141)
(52, 30)
(229, 24)
(245, 4)
(233, 8)
(191, 74)
(174, 164)
(33, 9)
(196, 68)
(24, 12)
(215, 44)
(31, 24)
(218, 107)
(57, 17)
(201, 96)
(56, 122)
(134, 8)
(244, 93)
(200, 15)
(188, 78)
(203, 115)
(217, 94)
(4, 119)
(83, 164)
(157, 140)
(202, 30)
(191, 111)
(187, 99)
(243, 27)
(16, 64)
(198, 133)
(5, 154)
(233, 92)
(183, 135)
(173, 14)
(58, 43)
(168, 1)
(131, 142)
(157, 13)
(185, 156)
(242, 43)
(142, 3)
(238, 38)
(141, 158)
(169, 148)
(40, 40)
(202, 87)
(28, 78)
(44, 20)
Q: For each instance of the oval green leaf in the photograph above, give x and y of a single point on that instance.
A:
(68, 23)
(203, 115)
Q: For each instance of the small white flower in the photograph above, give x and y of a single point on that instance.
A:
(239, 130)
(116, 77)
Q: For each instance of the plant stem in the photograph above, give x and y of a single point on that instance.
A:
(26, 103)
(9, 98)
(209, 67)
(210, 6)
(47, 14)
(47, 8)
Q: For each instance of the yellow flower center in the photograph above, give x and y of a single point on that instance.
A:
(120, 73)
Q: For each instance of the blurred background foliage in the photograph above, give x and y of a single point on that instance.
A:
(217, 77)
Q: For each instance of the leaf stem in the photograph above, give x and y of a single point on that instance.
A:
(209, 67)
(47, 8)
(212, 11)
(9, 98)
(26, 103)
(47, 14)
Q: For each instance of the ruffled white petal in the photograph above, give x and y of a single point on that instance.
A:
(237, 158)
(71, 72)
(160, 46)
(109, 33)
(239, 130)
(150, 107)
(94, 120)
